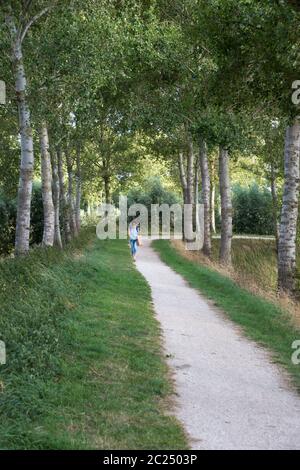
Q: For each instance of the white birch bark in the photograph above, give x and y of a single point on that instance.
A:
(190, 172)
(226, 208)
(63, 199)
(27, 156)
(212, 197)
(196, 183)
(182, 175)
(56, 200)
(78, 189)
(190, 215)
(205, 181)
(289, 212)
(46, 173)
(71, 204)
(274, 205)
(213, 207)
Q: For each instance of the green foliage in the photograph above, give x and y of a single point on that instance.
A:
(7, 224)
(37, 216)
(153, 193)
(8, 215)
(252, 210)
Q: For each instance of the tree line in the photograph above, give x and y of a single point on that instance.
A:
(204, 82)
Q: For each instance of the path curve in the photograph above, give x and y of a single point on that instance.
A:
(230, 395)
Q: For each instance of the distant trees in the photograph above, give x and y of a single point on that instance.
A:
(152, 192)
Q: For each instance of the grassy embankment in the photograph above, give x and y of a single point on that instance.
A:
(84, 364)
(254, 268)
(261, 319)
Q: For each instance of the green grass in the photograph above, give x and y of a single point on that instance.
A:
(84, 365)
(261, 320)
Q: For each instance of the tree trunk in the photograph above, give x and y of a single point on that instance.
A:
(27, 156)
(213, 197)
(289, 213)
(71, 205)
(196, 183)
(274, 205)
(182, 177)
(56, 201)
(213, 207)
(205, 179)
(190, 212)
(63, 199)
(226, 208)
(190, 173)
(78, 190)
(48, 233)
(106, 180)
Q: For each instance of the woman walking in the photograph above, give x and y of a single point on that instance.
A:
(133, 238)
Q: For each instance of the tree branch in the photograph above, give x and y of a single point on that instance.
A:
(33, 20)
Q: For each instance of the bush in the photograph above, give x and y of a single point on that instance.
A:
(252, 210)
(7, 224)
(8, 216)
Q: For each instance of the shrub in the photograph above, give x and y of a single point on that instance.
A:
(7, 224)
(252, 210)
(8, 216)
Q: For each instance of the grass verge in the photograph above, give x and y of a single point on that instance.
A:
(84, 366)
(254, 268)
(261, 320)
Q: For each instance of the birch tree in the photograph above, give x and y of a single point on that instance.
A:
(182, 174)
(212, 196)
(226, 208)
(18, 29)
(56, 199)
(190, 172)
(78, 188)
(46, 173)
(289, 213)
(205, 178)
(71, 204)
(63, 198)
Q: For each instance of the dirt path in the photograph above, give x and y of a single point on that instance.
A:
(230, 395)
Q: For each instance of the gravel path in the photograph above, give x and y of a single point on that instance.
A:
(230, 395)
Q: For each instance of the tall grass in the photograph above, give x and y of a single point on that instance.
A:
(254, 267)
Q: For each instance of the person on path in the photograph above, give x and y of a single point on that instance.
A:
(133, 233)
